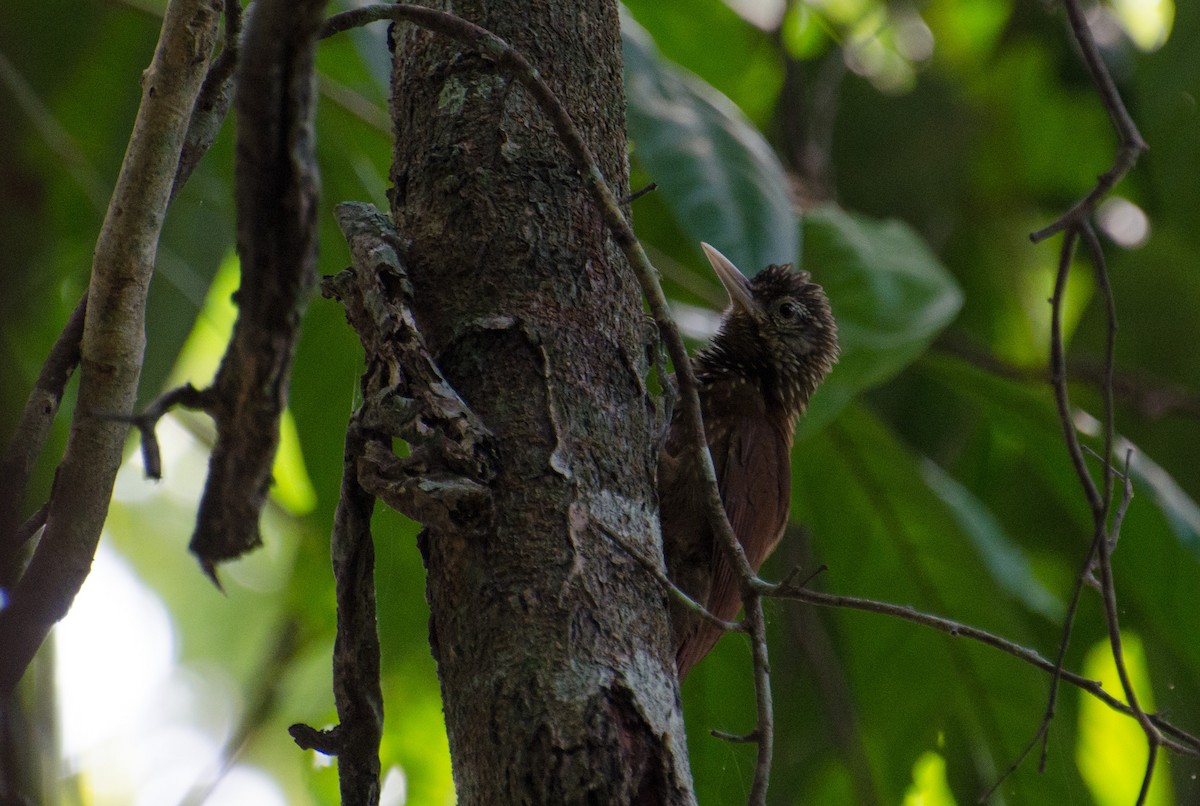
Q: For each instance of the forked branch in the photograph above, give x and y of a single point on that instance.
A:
(1076, 225)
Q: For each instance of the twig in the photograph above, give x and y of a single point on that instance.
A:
(764, 731)
(734, 738)
(1131, 143)
(515, 64)
(1106, 536)
(1070, 435)
(1114, 530)
(1058, 373)
(1075, 224)
(637, 194)
(187, 396)
(31, 433)
(216, 96)
(1096, 253)
(1182, 741)
(677, 593)
(1057, 673)
(123, 261)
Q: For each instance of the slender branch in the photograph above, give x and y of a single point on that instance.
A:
(1131, 143)
(113, 336)
(735, 738)
(1075, 224)
(516, 65)
(216, 96)
(146, 422)
(1070, 435)
(637, 194)
(1107, 417)
(1114, 529)
(1106, 538)
(1181, 742)
(30, 436)
(28, 440)
(1058, 373)
(764, 731)
(678, 594)
(986, 796)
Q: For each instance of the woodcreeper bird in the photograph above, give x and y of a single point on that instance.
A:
(776, 343)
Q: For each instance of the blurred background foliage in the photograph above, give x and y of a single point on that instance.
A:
(901, 152)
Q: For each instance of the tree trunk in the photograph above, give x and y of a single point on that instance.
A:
(552, 642)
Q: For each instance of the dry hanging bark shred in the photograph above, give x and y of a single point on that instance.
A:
(277, 197)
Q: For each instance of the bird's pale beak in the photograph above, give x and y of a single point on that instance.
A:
(736, 284)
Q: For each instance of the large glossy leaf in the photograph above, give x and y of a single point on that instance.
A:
(1028, 482)
(720, 178)
(886, 534)
(723, 49)
(890, 296)
(1007, 564)
(1179, 508)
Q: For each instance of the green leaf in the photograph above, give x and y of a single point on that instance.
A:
(1179, 508)
(1026, 478)
(885, 534)
(718, 175)
(1020, 410)
(1007, 564)
(733, 55)
(890, 296)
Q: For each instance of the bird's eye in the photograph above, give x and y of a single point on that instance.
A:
(788, 311)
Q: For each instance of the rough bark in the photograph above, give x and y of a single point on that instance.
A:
(552, 641)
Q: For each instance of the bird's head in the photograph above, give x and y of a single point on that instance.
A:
(778, 331)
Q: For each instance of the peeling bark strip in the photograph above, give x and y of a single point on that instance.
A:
(113, 336)
(277, 242)
(356, 688)
(552, 644)
(442, 483)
